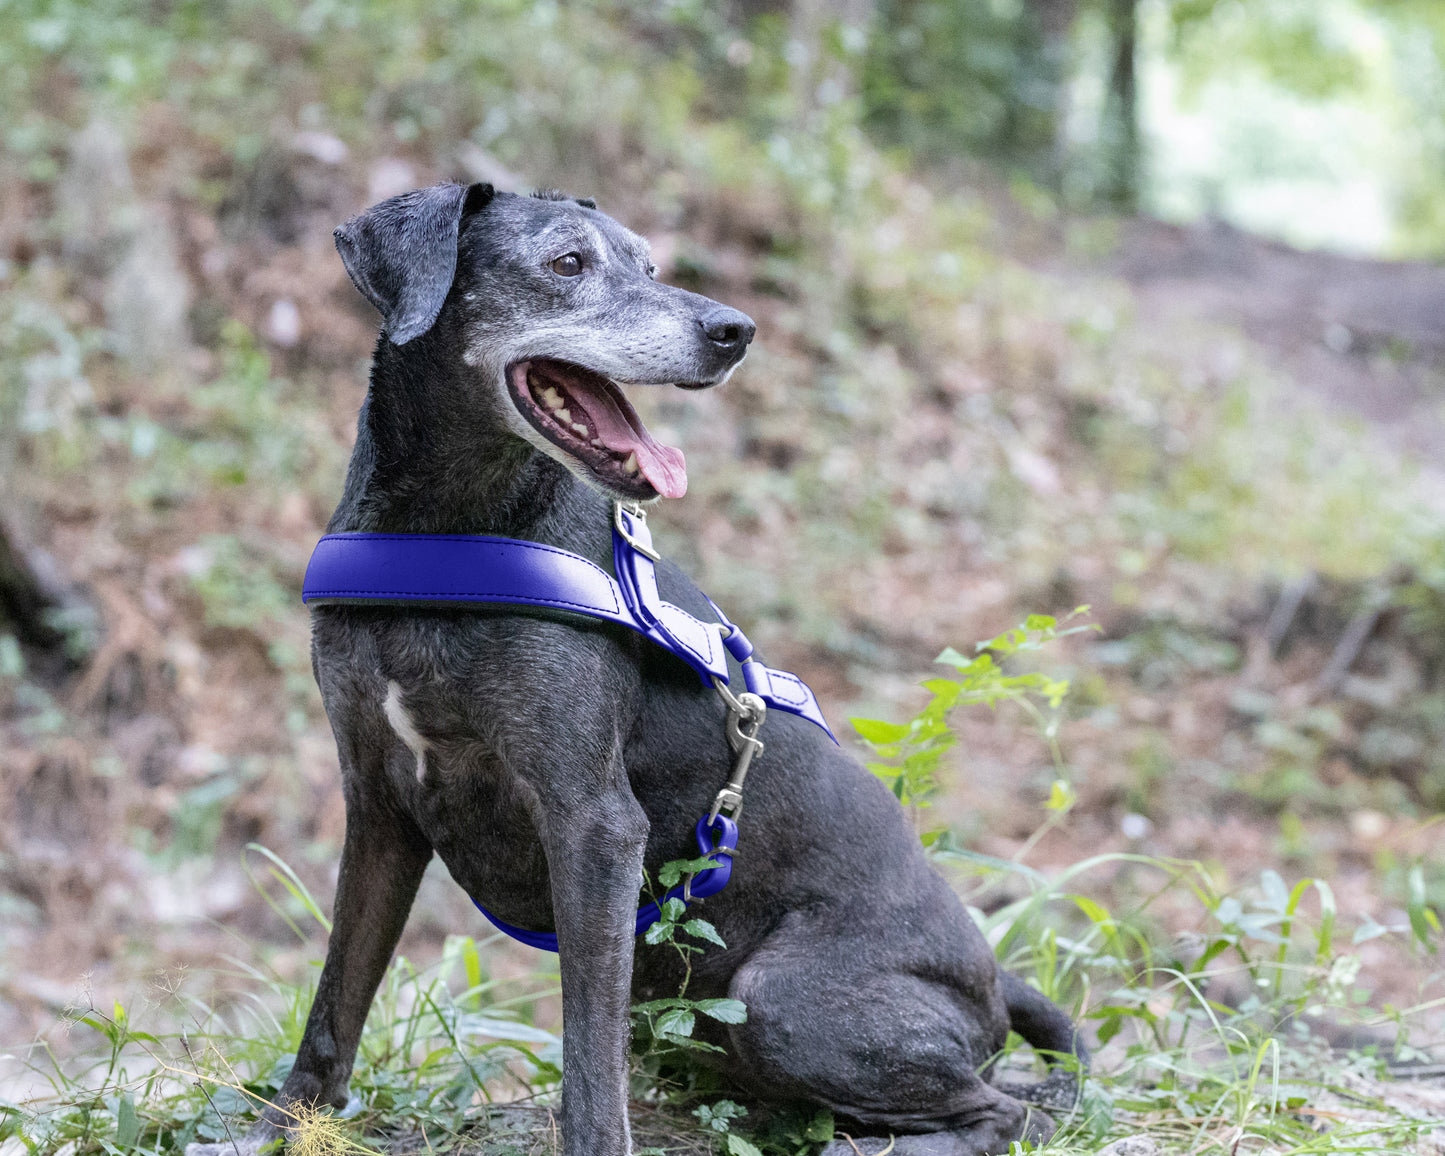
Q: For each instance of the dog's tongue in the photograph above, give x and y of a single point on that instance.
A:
(620, 429)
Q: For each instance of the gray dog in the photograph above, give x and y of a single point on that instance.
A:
(549, 762)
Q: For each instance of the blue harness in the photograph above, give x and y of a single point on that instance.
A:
(411, 569)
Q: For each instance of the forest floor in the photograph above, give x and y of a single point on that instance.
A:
(1231, 719)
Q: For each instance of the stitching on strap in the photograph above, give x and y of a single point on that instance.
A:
(452, 596)
(792, 680)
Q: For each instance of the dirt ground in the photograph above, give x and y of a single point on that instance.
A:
(168, 697)
(1367, 337)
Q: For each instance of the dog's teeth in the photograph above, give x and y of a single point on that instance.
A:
(549, 395)
(581, 429)
(629, 466)
(598, 443)
(562, 415)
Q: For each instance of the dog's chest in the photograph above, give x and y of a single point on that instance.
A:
(463, 721)
(454, 782)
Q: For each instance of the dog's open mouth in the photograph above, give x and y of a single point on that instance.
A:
(586, 415)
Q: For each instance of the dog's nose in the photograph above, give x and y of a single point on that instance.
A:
(728, 329)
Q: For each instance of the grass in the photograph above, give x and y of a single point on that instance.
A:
(1208, 1041)
(438, 1043)
(1198, 1070)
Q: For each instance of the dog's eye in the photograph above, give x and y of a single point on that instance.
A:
(652, 271)
(568, 266)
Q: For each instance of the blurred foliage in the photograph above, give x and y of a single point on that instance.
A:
(964, 77)
(909, 754)
(1028, 85)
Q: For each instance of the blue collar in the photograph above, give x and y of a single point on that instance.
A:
(402, 569)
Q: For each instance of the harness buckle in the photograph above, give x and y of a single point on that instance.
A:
(635, 510)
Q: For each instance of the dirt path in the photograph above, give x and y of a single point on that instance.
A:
(1366, 337)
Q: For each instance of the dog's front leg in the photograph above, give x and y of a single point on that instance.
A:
(382, 862)
(594, 856)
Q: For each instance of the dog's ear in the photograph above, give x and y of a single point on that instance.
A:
(402, 253)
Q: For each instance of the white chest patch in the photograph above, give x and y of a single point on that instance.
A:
(405, 729)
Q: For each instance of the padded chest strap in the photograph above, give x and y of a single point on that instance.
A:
(404, 569)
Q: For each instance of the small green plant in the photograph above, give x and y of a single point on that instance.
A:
(794, 1131)
(1210, 1034)
(718, 1118)
(909, 754)
(668, 1024)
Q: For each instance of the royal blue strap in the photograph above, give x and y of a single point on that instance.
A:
(453, 568)
(391, 569)
(706, 882)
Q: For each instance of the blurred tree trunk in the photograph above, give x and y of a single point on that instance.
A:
(24, 603)
(1120, 131)
(1055, 22)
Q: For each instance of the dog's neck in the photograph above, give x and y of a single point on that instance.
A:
(433, 457)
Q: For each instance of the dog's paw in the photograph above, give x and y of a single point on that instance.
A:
(863, 1146)
(1039, 1127)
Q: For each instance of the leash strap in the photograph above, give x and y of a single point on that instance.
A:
(402, 569)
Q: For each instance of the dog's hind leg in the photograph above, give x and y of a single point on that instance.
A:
(382, 862)
(892, 1045)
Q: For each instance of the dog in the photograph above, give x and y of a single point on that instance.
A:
(550, 762)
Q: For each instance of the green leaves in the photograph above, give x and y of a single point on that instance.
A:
(671, 1022)
(719, 1117)
(910, 753)
(1424, 920)
(702, 929)
(127, 1123)
(666, 928)
(738, 1146)
(675, 1022)
(877, 731)
(726, 1011)
(982, 678)
(670, 874)
(671, 923)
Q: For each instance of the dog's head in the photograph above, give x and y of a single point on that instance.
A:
(557, 308)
